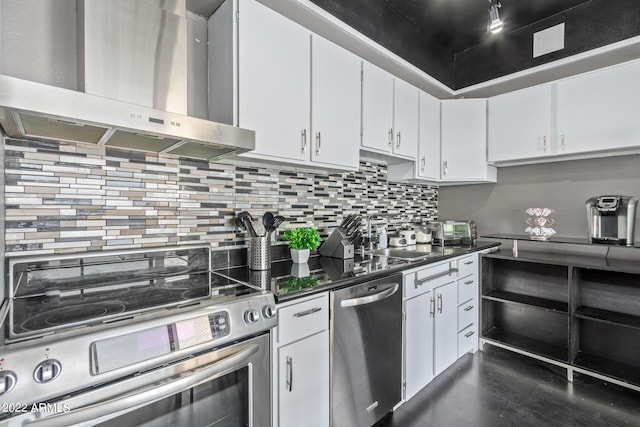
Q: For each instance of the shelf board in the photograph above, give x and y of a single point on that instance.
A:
(612, 317)
(510, 297)
(612, 368)
(530, 345)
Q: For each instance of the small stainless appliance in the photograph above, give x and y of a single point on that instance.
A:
(452, 233)
(612, 219)
(366, 351)
(138, 337)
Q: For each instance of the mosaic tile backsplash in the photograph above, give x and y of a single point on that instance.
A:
(69, 198)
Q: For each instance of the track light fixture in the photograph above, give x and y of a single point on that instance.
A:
(495, 23)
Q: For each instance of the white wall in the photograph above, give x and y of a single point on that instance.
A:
(564, 186)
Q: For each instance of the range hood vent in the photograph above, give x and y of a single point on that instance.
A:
(132, 70)
(36, 111)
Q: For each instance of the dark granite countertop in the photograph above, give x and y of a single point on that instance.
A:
(289, 281)
(554, 239)
(572, 259)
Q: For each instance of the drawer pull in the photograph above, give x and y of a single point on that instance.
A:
(450, 272)
(469, 308)
(308, 312)
(468, 263)
(468, 334)
(468, 282)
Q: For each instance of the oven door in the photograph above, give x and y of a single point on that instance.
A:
(226, 387)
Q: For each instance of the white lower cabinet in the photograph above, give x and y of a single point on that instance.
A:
(445, 335)
(430, 324)
(468, 312)
(300, 363)
(440, 318)
(418, 343)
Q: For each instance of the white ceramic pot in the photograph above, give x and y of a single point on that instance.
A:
(300, 256)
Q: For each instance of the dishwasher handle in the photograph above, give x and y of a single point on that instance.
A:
(368, 299)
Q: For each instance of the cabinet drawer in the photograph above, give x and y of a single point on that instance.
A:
(468, 265)
(467, 289)
(303, 319)
(467, 340)
(427, 278)
(467, 314)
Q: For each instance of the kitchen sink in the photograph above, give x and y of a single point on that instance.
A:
(405, 254)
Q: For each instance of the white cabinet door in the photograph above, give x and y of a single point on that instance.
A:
(377, 108)
(428, 162)
(599, 111)
(273, 72)
(335, 83)
(445, 326)
(303, 382)
(406, 117)
(520, 124)
(418, 343)
(464, 139)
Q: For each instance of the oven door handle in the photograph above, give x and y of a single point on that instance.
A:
(143, 395)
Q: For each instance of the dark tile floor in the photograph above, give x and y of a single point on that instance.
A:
(497, 387)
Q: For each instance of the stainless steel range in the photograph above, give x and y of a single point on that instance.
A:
(139, 337)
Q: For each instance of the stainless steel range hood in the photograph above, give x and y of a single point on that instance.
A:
(34, 110)
(132, 62)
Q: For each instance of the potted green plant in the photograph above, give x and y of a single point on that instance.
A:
(301, 240)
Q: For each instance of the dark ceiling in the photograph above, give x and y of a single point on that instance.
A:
(457, 25)
(448, 39)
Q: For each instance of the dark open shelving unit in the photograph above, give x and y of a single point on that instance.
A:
(581, 313)
(542, 303)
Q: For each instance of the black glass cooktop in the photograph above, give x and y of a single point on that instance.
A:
(55, 294)
(286, 277)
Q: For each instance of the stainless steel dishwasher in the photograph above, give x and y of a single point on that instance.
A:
(366, 351)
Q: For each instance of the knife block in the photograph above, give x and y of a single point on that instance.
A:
(337, 245)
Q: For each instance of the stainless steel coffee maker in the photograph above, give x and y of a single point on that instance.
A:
(612, 219)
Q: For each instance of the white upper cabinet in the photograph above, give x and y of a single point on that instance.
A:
(405, 118)
(335, 88)
(464, 141)
(600, 110)
(428, 162)
(262, 78)
(520, 125)
(389, 114)
(274, 60)
(377, 108)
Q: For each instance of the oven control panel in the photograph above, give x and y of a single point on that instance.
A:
(59, 365)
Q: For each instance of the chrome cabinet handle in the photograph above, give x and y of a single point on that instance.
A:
(318, 142)
(468, 282)
(432, 307)
(289, 373)
(307, 312)
(544, 143)
(450, 272)
(468, 263)
(562, 141)
(398, 140)
(468, 334)
(304, 141)
(468, 308)
(439, 303)
(445, 167)
(390, 138)
(424, 163)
